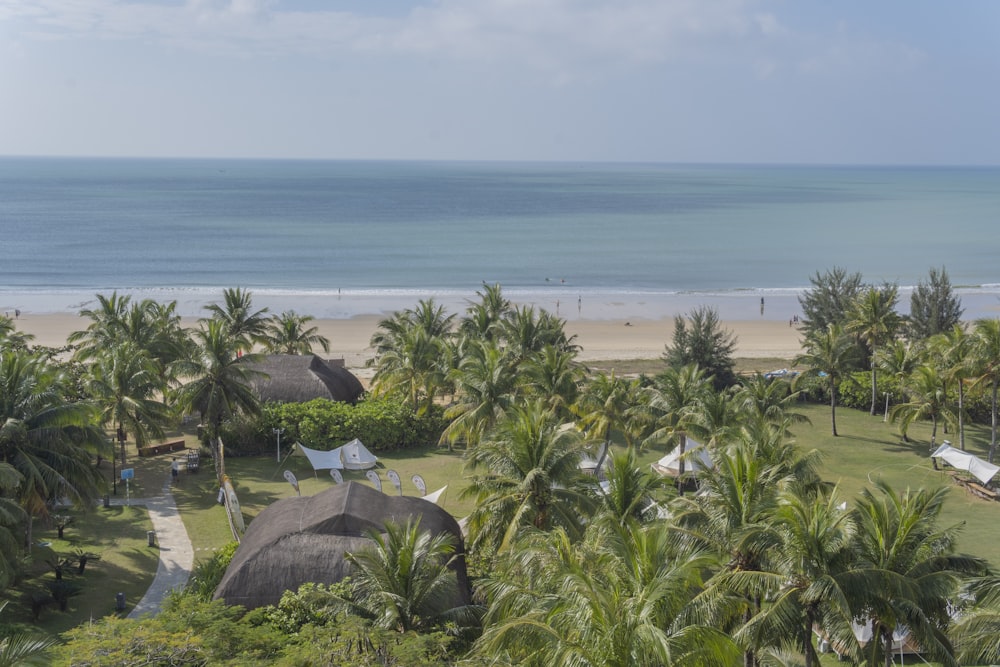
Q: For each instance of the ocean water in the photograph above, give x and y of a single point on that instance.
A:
(336, 238)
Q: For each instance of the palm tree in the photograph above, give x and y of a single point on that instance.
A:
(404, 581)
(875, 321)
(104, 330)
(953, 348)
(553, 376)
(899, 359)
(830, 354)
(632, 494)
(288, 333)
(483, 318)
(768, 399)
(218, 383)
(986, 353)
(672, 406)
(607, 404)
(526, 331)
(242, 323)
(11, 516)
(126, 385)
(806, 584)
(485, 384)
(927, 399)
(45, 437)
(976, 631)
(906, 571)
(12, 338)
(530, 477)
(22, 650)
(412, 368)
(621, 598)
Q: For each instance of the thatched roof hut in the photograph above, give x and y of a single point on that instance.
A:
(301, 540)
(292, 378)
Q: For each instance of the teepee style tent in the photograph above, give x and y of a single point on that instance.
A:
(355, 456)
(298, 540)
(696, 458)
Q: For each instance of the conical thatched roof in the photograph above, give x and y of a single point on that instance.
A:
(292, 378)
(300, 540)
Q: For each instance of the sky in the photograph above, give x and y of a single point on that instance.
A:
(688, 81)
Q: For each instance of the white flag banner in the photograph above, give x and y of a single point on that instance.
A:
(290, 477)
(394, 478)
(337, 477)
(418, 482)
(374, 479)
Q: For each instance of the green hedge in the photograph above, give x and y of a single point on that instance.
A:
(380, 423)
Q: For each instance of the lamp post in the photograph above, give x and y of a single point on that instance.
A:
(278, 432)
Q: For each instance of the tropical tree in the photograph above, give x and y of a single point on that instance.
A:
(976, 633)
(289, 333)
(526, 474)
(10, 337)
(554, 376)
(485, 386)
(807, 584)
(927, 398)
(413, 368)
(700, 340)
(671, 407)
(873, 318)
(606, 405)
(632, 494)
(934, 307)
(482, 319)
(953, 354)
(899, 360)
(829, 354)
(620, 598)
(403, 581)
(46, 438)
(906, 572)
(829, 301)
(107, 322)
(127, 387)
(768, 399)
(11, 516)
(21, 649)
(218, 383)
(526, 331)
(241, 322)
(986, 356)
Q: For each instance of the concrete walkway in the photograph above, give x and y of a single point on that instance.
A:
(176, 553)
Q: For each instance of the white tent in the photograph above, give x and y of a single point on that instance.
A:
(696, 457)
(355, 456)
(956, 458)
(436, 495)
(319, 459)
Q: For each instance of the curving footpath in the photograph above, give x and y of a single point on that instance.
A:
(176, 552)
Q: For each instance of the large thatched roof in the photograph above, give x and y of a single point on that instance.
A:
(300, 540)
(294, 378)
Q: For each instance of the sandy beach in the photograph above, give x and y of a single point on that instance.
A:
(602, 339)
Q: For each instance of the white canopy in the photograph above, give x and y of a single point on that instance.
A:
(321, 460)
(696, 457)
(436, 495)
(956, 458)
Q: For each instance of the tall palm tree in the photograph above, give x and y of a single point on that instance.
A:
(218, 383)
(126, 385)
(242, 323)
(46, 438)
(672, 406)
(829, 353)
(607, 404)
(554, 376)
(485, 385)
(403, 581)
(289, 333)
(618, 599)
(953, 355)
(482, 319)
(632, 494)
(11, 516)
(927, 398)
(412, 368)
(768, 399)
(906, 570)
(977, 629)
(527, 474)
(873, 318)
(899, 360)
(107, 322)
(986, 353)
(806, 585)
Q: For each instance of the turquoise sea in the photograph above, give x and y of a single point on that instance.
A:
(340, 236)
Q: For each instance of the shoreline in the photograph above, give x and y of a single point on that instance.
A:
(607, 326)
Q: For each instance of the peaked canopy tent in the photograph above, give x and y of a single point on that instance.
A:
(696, 457)
(956, 458)
(352, 456)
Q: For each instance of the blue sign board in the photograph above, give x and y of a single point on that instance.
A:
(128, 473)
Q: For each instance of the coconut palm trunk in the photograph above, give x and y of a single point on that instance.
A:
(993, 422)
(833, 405)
